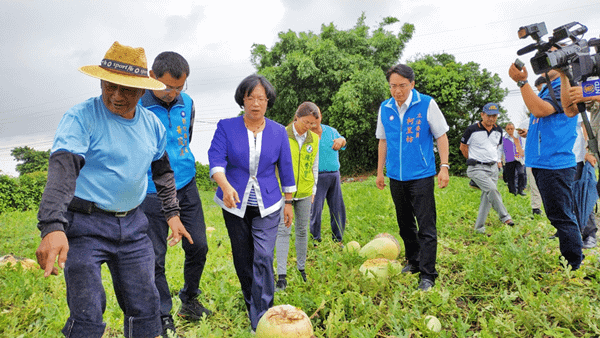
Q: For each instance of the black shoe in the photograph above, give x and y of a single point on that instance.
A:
(193, 310)
(168, 327)
(281, 283)
(555, 235)
(410, 268)
(303, 274)
(536, 211)
(522, 193)
(425, 284)
(510, 223)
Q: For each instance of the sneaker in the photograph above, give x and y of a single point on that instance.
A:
(281, 284)
(536, 211)
(473, 185)
(510, 222)
(193, 310)
(410, 268)
(303, 274)
(168, 327)
(589, 242)
(426, 284)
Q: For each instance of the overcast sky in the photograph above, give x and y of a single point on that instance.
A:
(43, 43)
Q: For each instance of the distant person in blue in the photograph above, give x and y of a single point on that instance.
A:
(176, 111)
(549, 152)
(329, 185)
(97, 179)
(247, 155)
(407, 125)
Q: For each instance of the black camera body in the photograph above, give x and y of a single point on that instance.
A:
(574, 57)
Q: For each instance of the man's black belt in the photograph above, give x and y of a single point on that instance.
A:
(328, 172)
(474, 162)
(88, 207)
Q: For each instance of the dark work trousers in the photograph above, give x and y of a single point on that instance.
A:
(514, 180)
(192, 217)
(123, 245)
(253, 244)
(329, 186)
(415, 204)
(555, 188)
(590, 228)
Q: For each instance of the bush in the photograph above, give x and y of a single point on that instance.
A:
(203, 180)
(22, 193)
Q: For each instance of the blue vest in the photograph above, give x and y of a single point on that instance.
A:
(409, 141)
(550, 139)
(177, 121)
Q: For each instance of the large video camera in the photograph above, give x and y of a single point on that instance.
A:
(574, 58)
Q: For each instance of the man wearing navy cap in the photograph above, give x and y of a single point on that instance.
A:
(479, 144)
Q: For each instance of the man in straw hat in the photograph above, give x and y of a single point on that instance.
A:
(97, 178)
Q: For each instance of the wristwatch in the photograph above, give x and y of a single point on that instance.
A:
(521, 83)
(445, 165)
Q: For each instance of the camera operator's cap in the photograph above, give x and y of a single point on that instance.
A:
(491, 109)
(125, 66)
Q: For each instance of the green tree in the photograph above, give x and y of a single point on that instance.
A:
(343, 73)
(33, 160)
(461, 91)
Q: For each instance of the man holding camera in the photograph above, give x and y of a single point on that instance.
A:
(549, 152)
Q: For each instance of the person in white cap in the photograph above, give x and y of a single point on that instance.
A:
(97, 178)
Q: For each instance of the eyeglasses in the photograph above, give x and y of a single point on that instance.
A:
(176, 89)
(112, 87)
(251, 100)
(401, 86)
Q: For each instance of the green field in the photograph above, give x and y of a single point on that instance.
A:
(511, 284)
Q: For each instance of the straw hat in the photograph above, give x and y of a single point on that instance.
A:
(125, 66)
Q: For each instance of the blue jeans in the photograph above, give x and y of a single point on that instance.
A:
(555, 189)
(282, 244)
(329, 187)
(415, 204)
(123, 245)
(192, 217)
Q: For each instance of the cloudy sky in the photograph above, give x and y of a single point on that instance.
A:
(43, 43)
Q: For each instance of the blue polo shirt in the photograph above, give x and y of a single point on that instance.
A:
(329, 159)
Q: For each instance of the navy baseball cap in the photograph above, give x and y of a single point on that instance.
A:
(491, 109)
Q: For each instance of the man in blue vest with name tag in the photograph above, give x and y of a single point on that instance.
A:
(175, 109)
(407, 125)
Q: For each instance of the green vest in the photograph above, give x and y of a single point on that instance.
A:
(303, 160)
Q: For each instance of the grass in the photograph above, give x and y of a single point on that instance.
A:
(511, 284)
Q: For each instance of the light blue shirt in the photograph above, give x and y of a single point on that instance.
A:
(329, 159)
(117, 152)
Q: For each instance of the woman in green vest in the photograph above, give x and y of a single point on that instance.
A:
(304, 146)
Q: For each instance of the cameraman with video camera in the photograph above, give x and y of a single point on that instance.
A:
(548, 151)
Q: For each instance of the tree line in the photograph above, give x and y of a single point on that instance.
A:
(343, 72)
